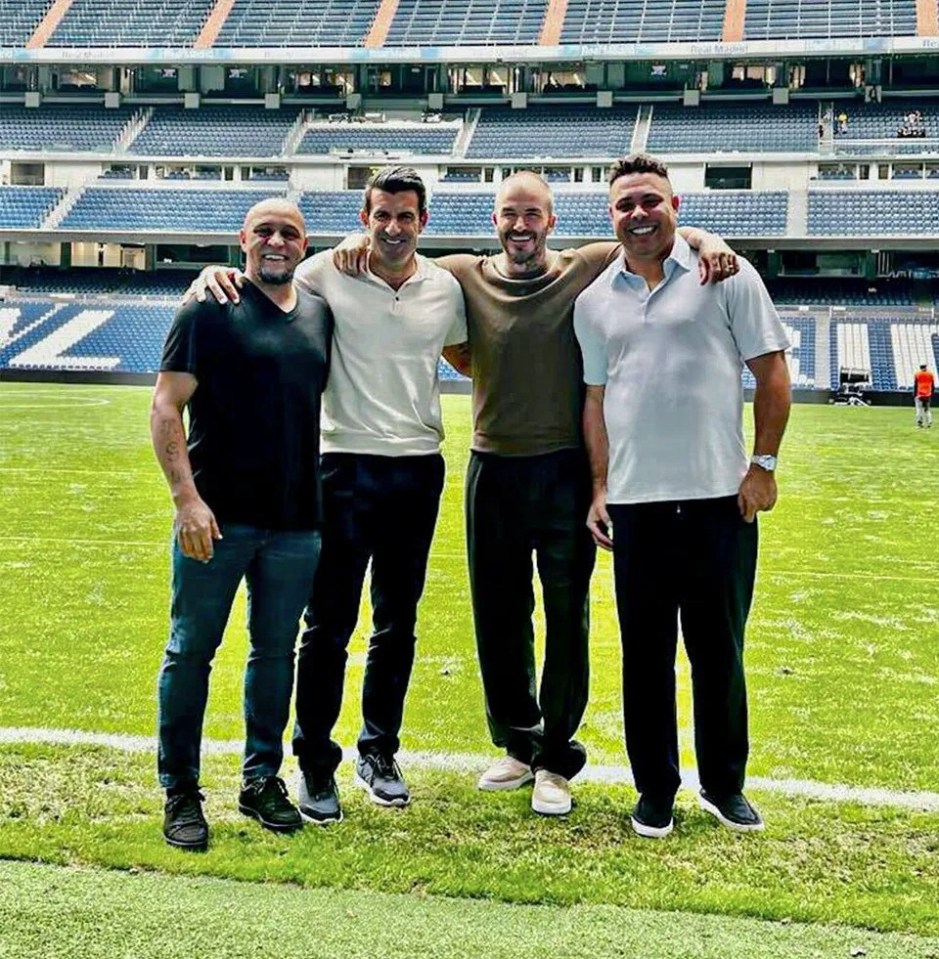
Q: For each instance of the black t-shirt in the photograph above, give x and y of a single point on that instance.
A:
(254, 419)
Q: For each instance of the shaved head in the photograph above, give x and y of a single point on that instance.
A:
(532, 182)
(278, 207)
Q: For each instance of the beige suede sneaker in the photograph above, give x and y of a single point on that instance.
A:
(507, 773)
(551, 795)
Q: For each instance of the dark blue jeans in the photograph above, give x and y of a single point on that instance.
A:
(383, 509)
(278, 568)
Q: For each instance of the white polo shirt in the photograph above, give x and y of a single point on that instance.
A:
(671, 360)
(382, 396)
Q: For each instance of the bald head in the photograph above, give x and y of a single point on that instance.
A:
(273, 239)
(277, 207)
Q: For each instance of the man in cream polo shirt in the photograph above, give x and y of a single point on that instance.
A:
(382, 474)
(675, 495)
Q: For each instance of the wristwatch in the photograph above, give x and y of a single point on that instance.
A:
(765, 461)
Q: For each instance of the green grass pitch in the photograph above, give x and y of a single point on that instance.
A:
(842, 661)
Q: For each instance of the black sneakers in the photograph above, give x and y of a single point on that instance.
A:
(734, 811)
(184, 826)
(319, 798)
(265, 799)
(381, 777)
(652, 817)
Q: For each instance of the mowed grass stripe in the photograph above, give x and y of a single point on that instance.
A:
(93, 914)
(473, 764)
(816, 862)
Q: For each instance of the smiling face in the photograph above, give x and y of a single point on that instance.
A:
(274, 240)
(394, 222)
(645, 214)
(524, 219)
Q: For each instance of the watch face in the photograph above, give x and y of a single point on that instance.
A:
(765, 462)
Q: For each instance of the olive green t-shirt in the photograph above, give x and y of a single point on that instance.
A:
(528, 384)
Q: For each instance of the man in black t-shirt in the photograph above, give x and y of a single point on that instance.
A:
(245, 484)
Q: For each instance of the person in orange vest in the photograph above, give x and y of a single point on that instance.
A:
(924, 384)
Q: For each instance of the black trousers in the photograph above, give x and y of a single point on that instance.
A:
(694, 559)
(515, 507)
(383, 509)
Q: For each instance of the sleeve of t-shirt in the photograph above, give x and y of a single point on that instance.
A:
(599, 256)
(457, 332)
(180, 352)
(592, 347)
(309, 274)
(457, 263)
(754, 322)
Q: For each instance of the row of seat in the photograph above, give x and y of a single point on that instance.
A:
(643, 21)
(411, 139)
(879, 212)
(100, 208)
(137, 23)
(466, 22)
(734, 213)
(891, 349)
(256, 23)
(555, 132)
(805, 19)
(26, 207)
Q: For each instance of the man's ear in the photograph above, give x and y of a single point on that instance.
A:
(363, 217)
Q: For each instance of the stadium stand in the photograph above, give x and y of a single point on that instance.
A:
(912, 344)
(584, 214)
(298, 23)
(452, 23)
(17, 318)
(801, 357)
(18, 20)
(95, 281)
(118, 338)
(331, 211)
(828, 291)
(27, 206)
(53, 127)
(131, 23)
(552, 132)
(803, 19)
(642, 21)
(428, 140)
(865, 344)
(215, 131)
(206, 211)
(460, 176)
(726, 128)
(861, 212)
(885, 120)
(103, 334)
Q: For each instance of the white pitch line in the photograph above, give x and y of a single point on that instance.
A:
(474, 763)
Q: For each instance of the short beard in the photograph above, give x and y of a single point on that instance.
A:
(534, 262)
(275, 279)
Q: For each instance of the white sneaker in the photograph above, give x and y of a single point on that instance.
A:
(551, 795)
(507, 773)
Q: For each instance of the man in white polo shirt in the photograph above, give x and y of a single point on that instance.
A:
(675, 495)
(382, 475)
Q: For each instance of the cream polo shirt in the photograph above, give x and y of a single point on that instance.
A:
(382, 396)
(671, 361)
